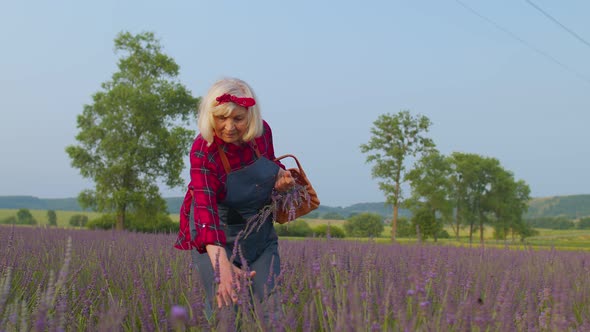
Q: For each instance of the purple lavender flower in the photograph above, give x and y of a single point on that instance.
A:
(179, 314)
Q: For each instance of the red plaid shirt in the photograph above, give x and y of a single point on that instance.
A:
(207, 187)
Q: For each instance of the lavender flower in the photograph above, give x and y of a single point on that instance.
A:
(179, 315)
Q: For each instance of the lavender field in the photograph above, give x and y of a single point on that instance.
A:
(79, 280)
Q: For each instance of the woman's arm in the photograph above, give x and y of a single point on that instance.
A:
(205, 185)
(229, 276)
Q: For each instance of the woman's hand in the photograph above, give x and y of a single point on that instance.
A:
(230, 276)
(285, 180)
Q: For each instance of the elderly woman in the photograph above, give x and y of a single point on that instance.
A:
(233, 174)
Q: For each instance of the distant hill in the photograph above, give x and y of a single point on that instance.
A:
(71, 204)
(35, 203)
(573, 207)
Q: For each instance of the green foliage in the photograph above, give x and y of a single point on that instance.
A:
(24, 217)
(334, 231)
(394, 139)
(443, 234)
(332, 216)
(160, 223)
(78, 220)
(295, 228)
(131, 137)
(428, 223)
(584, 223)
(8, 220)
(138, 223)
(312, 215)
(106, 221)
(405, 228)
(431, 199)
(51, 218)
(485, 193)
(552, 223)
(364, 225)
(572, 207)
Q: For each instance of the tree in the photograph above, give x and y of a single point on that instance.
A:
(485, 193)
(52, 217)
(472, 177)
(24, 217)
(509, 202)
(394, 139)
(364, 224)
(78, 220)
(130, 137)
(430, 201)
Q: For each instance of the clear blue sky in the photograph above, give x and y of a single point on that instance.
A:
(323, 71)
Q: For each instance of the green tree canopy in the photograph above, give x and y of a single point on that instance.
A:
(52, 217)
(131, 137)
(485, 193)
(25, 217)
(430, 201)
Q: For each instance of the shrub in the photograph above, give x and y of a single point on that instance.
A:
(106, 221)
(405, 228)
(443, 234)
(78, 220)
(9, 220)
(156, 224)
(160, 223)
(296, 228)
(24, 217)
(322, 231)
(52, 218)
(365, 224)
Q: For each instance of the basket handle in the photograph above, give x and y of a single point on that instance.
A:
(296, 161)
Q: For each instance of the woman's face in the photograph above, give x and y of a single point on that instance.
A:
(232, 128)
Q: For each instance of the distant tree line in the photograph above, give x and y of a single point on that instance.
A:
(559, 223)
(461, 190)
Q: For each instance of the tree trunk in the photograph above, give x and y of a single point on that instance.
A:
(394, 222)
(480, 228)
(120, 224)
(457, 221)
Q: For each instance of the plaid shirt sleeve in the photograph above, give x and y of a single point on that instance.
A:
(204, 186)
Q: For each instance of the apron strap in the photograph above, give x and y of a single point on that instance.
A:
(225, 161)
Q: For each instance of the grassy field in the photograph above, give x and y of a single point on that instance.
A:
(547, 238)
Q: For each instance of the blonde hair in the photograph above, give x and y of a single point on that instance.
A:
(209, 108)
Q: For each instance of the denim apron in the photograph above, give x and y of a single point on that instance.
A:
(247, 191)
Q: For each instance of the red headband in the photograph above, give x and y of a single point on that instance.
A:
(227, 98)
